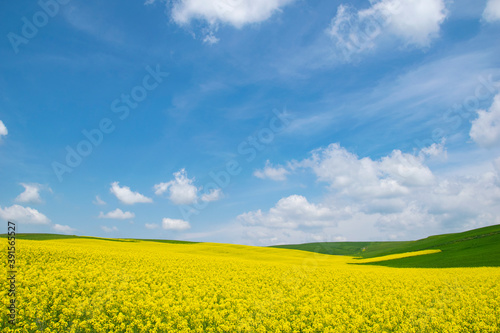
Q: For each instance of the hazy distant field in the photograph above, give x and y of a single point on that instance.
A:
(92, 285)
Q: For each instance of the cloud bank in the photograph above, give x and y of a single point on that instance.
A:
(394, 197)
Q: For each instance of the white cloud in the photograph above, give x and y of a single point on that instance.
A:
(406, 169)
(174, 224)
(125, 195)
(496, 165)
(391, 176)
(181, 189)
(415, 22)
(264, 236)
(65, 229)
(485, 130)
(437, 150)
(109, 229)
(492, 11)
(270, 172)
(117, 214)
(236, 13)
(3, 130)
(31, 193)
(345, 32)
(151, 226)
(16, 213)
(212, 195)
(233, 12)
(210, 39)
(295, 220)
(98, 201)
(411, 217)
(292, 212)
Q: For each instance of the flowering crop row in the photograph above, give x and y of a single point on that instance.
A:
(89, 285)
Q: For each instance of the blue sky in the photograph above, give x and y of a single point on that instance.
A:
(252, 122)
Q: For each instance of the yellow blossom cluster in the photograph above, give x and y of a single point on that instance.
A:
(92, 285)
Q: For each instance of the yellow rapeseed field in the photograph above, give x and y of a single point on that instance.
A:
(90, 285)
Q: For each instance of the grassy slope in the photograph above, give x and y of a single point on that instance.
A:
(371, 249)
(478, 247)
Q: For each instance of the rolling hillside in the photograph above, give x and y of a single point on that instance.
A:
(473, 248)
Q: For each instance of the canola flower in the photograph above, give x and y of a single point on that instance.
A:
(90, 285)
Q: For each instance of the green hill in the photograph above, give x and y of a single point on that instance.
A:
(473, 248)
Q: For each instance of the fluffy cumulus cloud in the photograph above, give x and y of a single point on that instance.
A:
(117, 214)
(492, 11)
(394, 197)
(485, 130)
(65, 229)
(31, 193)
(233, 12)
(415, 22)
(292, 212)
(391, 176)
(269, 172)
(174, 224)
(125, 195)
(236, 13)
(3, 130)
(181, 189)
(22, 214)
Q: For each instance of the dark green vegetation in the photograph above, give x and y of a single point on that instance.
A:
(42, 237)
(473, 248)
